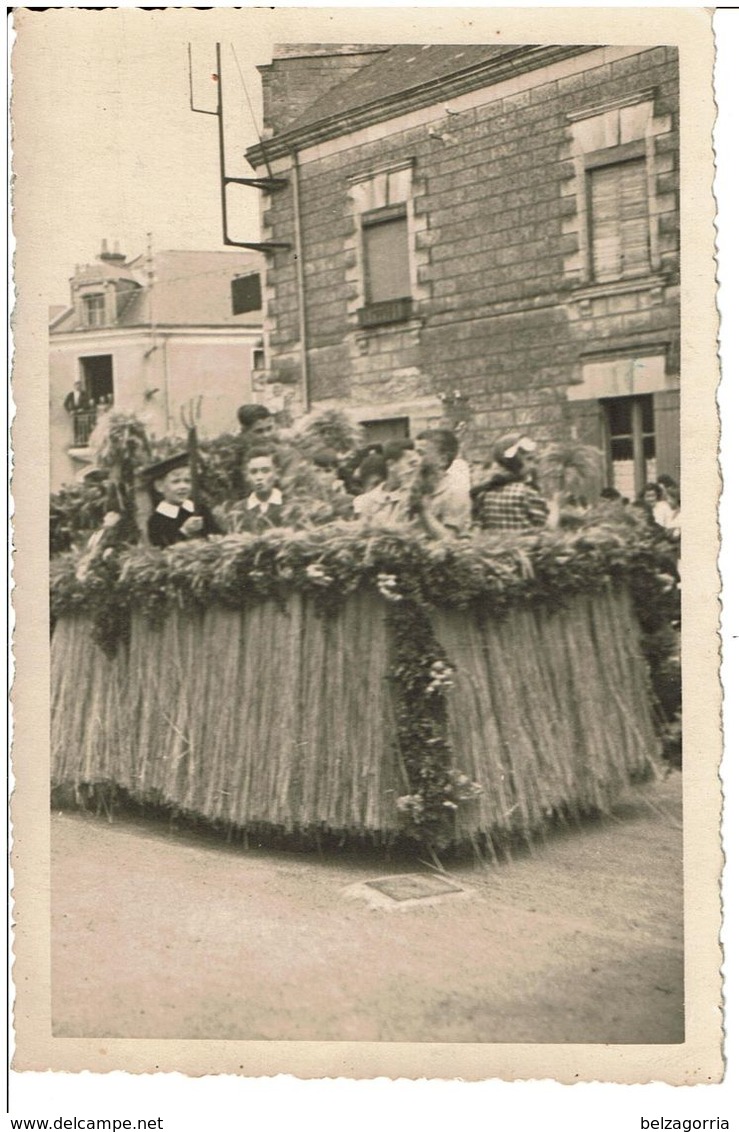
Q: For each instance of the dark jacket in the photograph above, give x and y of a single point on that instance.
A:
(164, 524)
(83, 405)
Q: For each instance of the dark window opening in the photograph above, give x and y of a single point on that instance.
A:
(97, 375)
(632, 455)
(391, 428)
(257, 359)
(246, 293)
(619, 220)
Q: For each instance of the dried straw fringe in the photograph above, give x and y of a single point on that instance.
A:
(277, 717)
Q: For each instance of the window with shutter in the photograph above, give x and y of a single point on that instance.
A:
(382, 278)
(619, 220)
(387, 271)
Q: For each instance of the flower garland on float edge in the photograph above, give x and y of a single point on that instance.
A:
(421, 676)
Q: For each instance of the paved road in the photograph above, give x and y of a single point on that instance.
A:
(164, 934)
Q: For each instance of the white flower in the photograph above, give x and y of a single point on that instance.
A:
(410, 804)
(317, 574)
(387, 585)
(441, 676)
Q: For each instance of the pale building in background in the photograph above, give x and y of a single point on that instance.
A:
(148, 335)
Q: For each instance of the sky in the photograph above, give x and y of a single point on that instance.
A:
(102, 105)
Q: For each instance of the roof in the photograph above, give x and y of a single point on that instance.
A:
(406, 77)
(104, 271)
(190, 288)
(401, 68)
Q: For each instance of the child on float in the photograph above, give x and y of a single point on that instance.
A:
(265, 503)
(371, 474)
(509, 499)
(440, 497)
(389, 502)
(175, 517)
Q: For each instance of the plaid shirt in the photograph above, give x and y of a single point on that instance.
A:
(512, 507)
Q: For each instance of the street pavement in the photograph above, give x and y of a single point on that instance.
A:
(166, 933)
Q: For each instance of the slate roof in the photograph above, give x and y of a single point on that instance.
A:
(400, 69)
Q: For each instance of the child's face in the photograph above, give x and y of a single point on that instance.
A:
(261, 475)
(400, 472)
(175, 486)
(262, 429)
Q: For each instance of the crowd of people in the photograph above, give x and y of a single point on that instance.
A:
(421, 483)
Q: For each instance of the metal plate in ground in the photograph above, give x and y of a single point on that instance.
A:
(414, 886)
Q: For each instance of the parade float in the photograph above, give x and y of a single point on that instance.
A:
(366, 684)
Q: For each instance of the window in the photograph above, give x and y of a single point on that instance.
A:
(620, 201)
(391, 428)
(631, 443)
(386, 269)
(387, 241)
(257, 359)
(246, 293)
(97, 375)
(619, 220)
(94, 307)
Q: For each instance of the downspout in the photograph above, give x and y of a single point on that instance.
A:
(165, 359)
(302, 309)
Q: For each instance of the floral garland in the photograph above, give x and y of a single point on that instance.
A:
(421, 677)
(329, 563)
(412, 574)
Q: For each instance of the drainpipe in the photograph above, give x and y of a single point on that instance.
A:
(302, 310)
(165, 359)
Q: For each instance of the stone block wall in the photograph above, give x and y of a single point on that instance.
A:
(500, 308)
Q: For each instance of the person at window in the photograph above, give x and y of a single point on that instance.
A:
(509, 500)
(175, 517)
(78, 399)
(258, 425)
(440, 499)
(264, 504)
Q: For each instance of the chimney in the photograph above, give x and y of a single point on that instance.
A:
(111, 257)
(300, 73)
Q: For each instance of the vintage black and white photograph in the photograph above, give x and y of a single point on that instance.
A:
(367, 581)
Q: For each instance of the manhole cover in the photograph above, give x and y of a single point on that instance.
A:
(413, 886)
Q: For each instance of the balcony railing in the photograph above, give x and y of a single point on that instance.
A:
(83, 423)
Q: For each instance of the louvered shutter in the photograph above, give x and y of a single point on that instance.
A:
(619, 220)
(387, 270)
(667, 432)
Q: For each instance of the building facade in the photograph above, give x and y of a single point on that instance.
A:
(495, 226)
(154, 336)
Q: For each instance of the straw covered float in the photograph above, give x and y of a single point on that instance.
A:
(371, 684)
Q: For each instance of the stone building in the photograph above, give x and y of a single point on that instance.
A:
(149, 335)
(493, 225)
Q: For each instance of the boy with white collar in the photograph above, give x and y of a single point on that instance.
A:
(264, 504)
(176, 518)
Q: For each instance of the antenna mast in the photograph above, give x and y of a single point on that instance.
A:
(266, 184)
